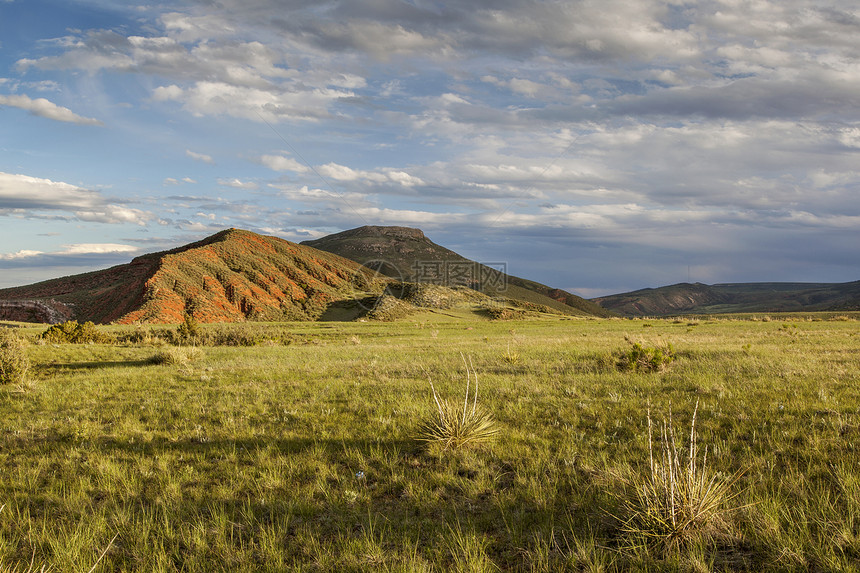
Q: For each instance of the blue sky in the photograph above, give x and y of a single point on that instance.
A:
(594, 145)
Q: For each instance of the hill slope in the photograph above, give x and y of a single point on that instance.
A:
(231, 276)
(407, 254)
(735, 297)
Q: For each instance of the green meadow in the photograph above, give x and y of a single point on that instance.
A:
(297, 447)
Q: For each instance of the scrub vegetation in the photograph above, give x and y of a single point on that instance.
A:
(304, 446)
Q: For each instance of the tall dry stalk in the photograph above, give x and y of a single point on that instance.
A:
(678, 499)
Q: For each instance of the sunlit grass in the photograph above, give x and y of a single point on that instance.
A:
(300, 452)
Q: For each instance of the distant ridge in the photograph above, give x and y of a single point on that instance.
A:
(698, 298)
(230, 276)
(400, 251)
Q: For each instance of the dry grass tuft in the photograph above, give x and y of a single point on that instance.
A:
(457, 426)
(680, 498)
(176, 355)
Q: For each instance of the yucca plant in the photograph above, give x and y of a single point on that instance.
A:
(457, 426)
(511, 357)
(680, 498)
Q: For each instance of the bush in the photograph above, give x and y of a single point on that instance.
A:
(71, 332)
(189, 328)
(646, 359)
(14, 362)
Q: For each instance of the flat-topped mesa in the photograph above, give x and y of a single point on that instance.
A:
(382, 231)
(404, 253)
(399, 232)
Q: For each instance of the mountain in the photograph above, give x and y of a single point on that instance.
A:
(407, 254)
(231, 276)
(698, 298)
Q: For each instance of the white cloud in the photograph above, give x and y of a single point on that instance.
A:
(33, 266)
(385, 175)
(403, 178)
(174, 181)
(339, 172)
(43, 108)
(200, 157)
(250, 102)
(313, 195)
(26, 196)
(23, 254)
(96, 248)
(167, 93)
(521, 86)
(238, 184)
(282, 163)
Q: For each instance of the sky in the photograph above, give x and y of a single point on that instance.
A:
(599, 146)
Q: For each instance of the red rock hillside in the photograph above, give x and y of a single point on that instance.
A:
(231, 276)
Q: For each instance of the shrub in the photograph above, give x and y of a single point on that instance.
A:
(14, 362)
(72, 332)
(646, 359)
(458, 426)
(679, 498)
(189, 328)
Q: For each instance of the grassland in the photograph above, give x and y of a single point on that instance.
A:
(300, 453)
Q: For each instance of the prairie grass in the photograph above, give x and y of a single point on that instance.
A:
(301, 455)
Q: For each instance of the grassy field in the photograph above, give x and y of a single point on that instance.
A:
(300, 453)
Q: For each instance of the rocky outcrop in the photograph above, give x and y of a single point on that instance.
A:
(43, 311)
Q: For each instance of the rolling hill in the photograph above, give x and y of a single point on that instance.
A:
(698, 298)
(237, 275)
(231, 276)
(407, 254)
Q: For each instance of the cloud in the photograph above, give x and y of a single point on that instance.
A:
(174, 181)
(282, 163)
(200, 157)
(654, 130)
(249, 102)
(41, 107)
(342, 173)
(78, 254)
(238, 184)
(25, 196)
(520, 86)
(23, 254)
(96, 248)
